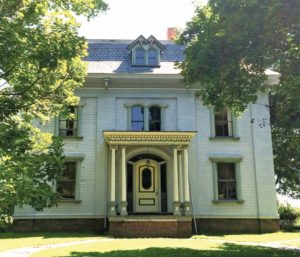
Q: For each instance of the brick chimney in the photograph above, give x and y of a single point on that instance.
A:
(172, 34)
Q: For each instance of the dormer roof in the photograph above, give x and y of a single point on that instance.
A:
(141, 40)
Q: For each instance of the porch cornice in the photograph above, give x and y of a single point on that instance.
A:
(148, 137)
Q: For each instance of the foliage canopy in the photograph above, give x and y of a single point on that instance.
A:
(40, 66)
(230, 45)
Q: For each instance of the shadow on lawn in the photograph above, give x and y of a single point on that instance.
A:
(226, 250)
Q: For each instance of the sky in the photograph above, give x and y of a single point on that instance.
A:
(131, 18)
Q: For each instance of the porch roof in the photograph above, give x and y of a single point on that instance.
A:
(148, 137)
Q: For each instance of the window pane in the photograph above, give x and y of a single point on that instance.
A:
(222, 123)
(226, 181)
(137, 118)
(146, 178)
(154, 119)
(140, 56)
(68, 127)
(226, 171)
(152, 57)
(66, 186)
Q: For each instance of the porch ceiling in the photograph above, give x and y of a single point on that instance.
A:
(148, 137)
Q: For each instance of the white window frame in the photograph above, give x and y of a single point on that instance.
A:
(146, 48)
(77, 158)
(146, 115)
(232, 127)
(236, 160)
(79, 125)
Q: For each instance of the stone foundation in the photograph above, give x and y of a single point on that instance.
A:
(58, 225)
(237, 225)
(143, 226)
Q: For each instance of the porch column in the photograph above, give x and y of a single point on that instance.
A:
(112, 203)
(187, 202)
(124, 189)
(176, 202)
(180, 175)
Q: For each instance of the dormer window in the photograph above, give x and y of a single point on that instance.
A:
(140, 54)
(146, 52)
(152, 57)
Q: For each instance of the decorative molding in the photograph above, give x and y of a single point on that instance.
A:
(148, 137)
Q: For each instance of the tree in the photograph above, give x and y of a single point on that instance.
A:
(230, 44)
(40, 66)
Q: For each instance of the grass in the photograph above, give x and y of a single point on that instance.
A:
(163, 248)
(261, 238)
(201, 245)
(10, 241)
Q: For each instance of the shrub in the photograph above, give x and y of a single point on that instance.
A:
(288, 216)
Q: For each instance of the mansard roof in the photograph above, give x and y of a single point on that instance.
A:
(114, 56)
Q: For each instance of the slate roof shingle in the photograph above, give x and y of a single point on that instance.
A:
(112, 56)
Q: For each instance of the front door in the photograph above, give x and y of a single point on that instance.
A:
(146, 186)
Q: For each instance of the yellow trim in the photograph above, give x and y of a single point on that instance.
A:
(148, 137)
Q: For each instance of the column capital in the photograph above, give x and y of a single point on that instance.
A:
(113, 147)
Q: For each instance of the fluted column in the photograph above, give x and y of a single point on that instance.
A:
(176, 203)
(123, 185)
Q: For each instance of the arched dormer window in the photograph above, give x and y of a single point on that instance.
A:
(152, 57)
(137, 118)
(154, 118)
(140, 54)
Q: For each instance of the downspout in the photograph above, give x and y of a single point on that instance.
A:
(255, 170)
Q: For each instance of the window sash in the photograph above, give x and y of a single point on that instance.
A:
(227, 185)
(223, 124)
(66, 186)
(69, 127)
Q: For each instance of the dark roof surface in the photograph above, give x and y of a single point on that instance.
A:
(112, 56)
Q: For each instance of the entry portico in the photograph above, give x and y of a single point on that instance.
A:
(149, 153)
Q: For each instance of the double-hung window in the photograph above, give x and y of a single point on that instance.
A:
(68, 126)
(223, 123)
(227, 185)
(66, 186)
(227, 178)
(145, 119)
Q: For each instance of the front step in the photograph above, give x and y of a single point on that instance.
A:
(150, 226)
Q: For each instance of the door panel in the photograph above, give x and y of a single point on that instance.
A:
(146, 186)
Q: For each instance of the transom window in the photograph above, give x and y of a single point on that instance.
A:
(227, 186)
(67, 184)
(223, 123)
(69, 126)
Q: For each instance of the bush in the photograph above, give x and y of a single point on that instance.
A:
(288, 216)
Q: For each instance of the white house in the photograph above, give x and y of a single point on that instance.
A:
(144, 157)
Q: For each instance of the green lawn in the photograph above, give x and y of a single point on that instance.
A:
(17, 240)
(262, 238)
(202, 245)
(163, 248)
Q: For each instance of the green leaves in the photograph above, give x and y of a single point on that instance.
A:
(230, 44)
(41, 64)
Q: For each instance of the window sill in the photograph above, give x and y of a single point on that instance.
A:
(224, 138)
(228, 201)
(69, 201)
(71, 137)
